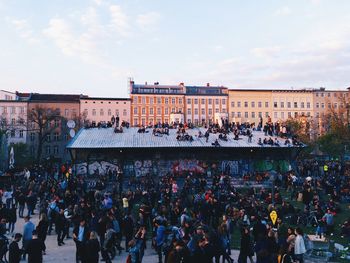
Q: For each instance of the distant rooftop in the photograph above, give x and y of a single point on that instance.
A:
(106, 138)
(35, 97)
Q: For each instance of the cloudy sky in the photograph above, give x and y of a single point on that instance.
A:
(94, 46)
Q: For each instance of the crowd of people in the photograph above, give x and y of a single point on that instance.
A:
(188, 220)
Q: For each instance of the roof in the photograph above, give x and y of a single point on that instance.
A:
(35, 97)
(105, 138)
(99, 98)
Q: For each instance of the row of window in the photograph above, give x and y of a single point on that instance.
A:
(345, 94)
(143, 100)
(102, 112)
(203, 101)
(210, 111)
(20, 133)
(260, 114)
(335, 105)
(295, 104)
(109, 102)
(13, 122)
(54, 137)
(12, 110)
(252, 104)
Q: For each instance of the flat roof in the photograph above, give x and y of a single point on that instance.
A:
(106, 138)
(99, 98)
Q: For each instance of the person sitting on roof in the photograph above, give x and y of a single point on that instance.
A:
(216, 143)
(276, 143)
(260, 142)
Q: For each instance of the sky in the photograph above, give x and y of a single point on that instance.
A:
(93, 47)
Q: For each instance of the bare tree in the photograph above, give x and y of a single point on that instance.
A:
(41, 119)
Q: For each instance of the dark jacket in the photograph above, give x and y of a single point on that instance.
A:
(42, 229)
(92, 249)
(14, 253)
(35, 250)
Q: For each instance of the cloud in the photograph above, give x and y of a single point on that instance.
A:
(119, 21)
(23, 29)
(148, 20)
(266, 52)
(283, 11)
(315, 2)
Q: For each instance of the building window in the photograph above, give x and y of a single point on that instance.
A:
(223, 101)
(159, 100)
(267, 114)
(317, 105)
(275, 104)
(335, 105)
(202, 101)
(66, 112)
(289, 104)
(173, 101)
(109, 112)
(166, 111)
(195, 111)
(189, 111)
(253, 104)
(32, 136)
(56, 136)
(21, 134)
(217, 101)
(210, 112)
(295, 114)
(246, 104)
(173, 110)
(203, 111)
(282, 104)
(260, 114)
(57, 123)
(282, 115)
(188, 101)
(93, 112)
(322, 105)
(275, 114)
(322, 95)
(166, 101)
(195, 101)
(295, 104)
(302, 105)
(308, 114)
(217, 110)
(329, 105)
(143, 110)
(232, 114)
(124, 113)
(13, 133)
(253, 114)
(48, 150)
(13, 121)
(55, 149)
(159, 111)
(209, 101)
(143, 100)
(143, 121)
(223, 110)
(12, 110)
(238, 104)
(266, 104)
(101, 112)
(150, 100)
(232, 104)
(289, 114)
(48, 137)
(259, 104)
(329, 94)
(180, 101)
(135, 122)
(308, 105)
(245, 114)
(150, 110)
(117, 112)
(21, 109)
(316, 94)
(135, 110)
(239, 114)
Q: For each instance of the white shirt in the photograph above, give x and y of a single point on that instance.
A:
(299, 247)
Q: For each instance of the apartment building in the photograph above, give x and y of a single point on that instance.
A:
(203, 102)
(97, 110)
(152, 104)
(249, 105)
(7, 95)
(58, 133)
(13, 120)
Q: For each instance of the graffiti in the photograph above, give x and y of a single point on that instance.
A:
(237, 167)
(185, 165)
(95, 168)
(143, 167)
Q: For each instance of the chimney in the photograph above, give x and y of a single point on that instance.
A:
(208, 84)
(146, 83)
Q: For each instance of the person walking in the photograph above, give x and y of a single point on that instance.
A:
(299, 246)
(35, 249)
(28, 229)
(12, 218)
(60, 225)
(14, 251)
(246, 250)
(42, 227)
(92, 249)
(80, 237)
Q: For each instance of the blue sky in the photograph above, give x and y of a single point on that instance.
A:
(94, 46)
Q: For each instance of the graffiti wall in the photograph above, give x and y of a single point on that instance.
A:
(95, 168)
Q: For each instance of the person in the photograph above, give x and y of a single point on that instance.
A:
(80, 237)
(92, 249)
(42, 227)
(299, 246)
(246, 250)
(160, 238)
(135, 245)
(14, 251)
(28, 229)
(60, 227)
(12, 218)
(35, 248)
